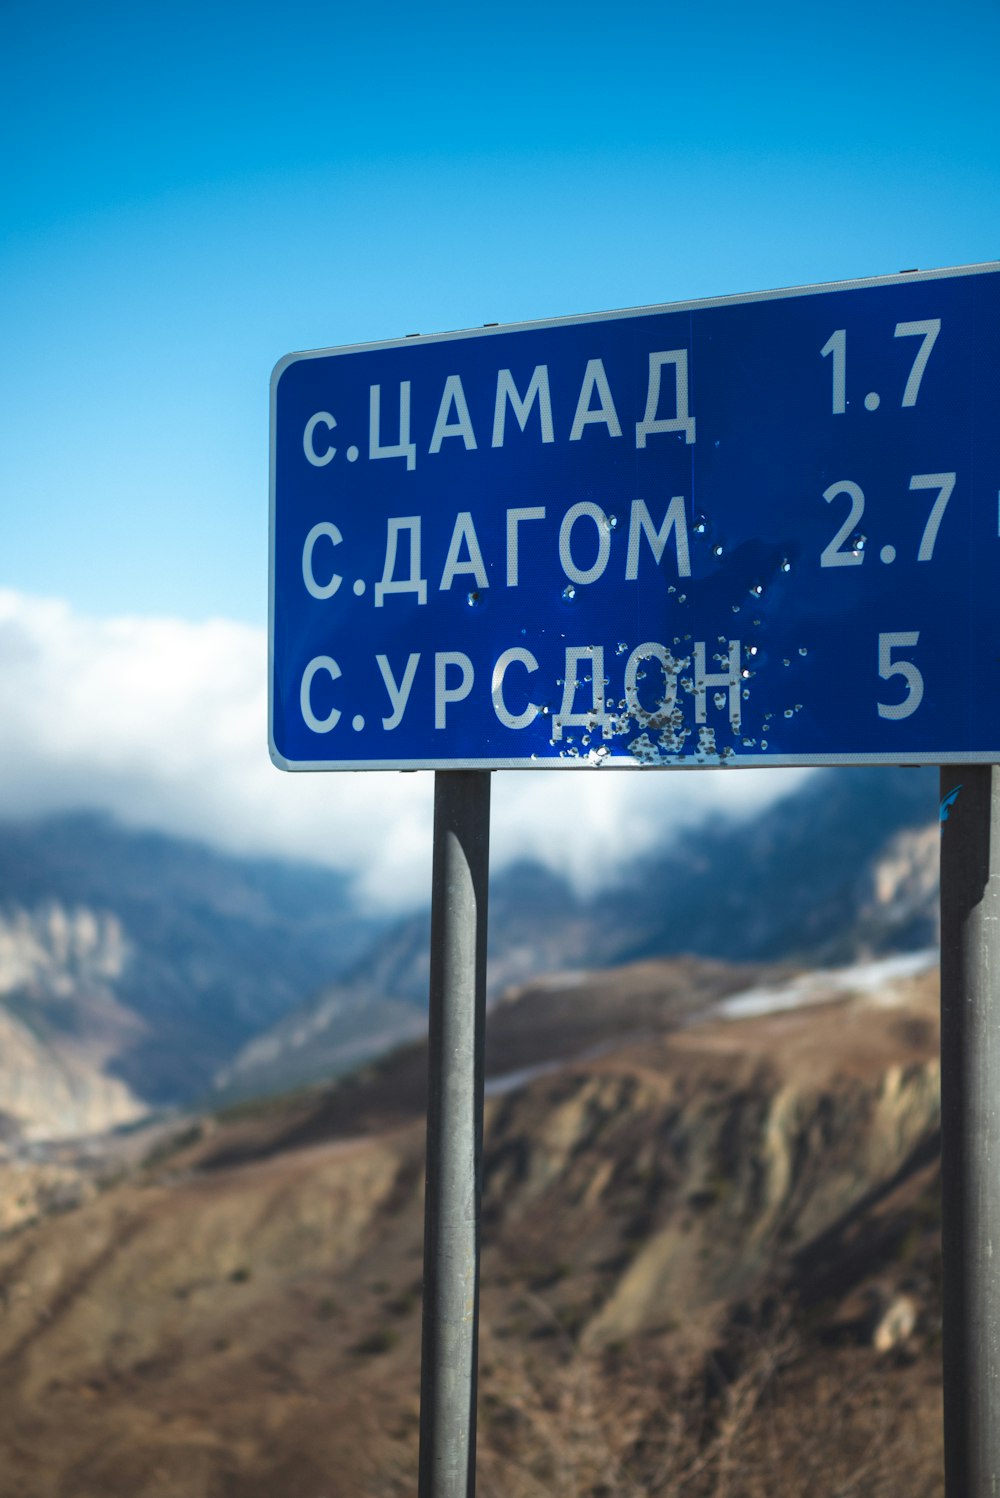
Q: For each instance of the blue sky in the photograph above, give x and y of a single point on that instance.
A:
(190, 192)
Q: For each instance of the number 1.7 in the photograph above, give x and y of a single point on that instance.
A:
(836, 347)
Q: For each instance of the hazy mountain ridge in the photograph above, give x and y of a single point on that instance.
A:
(799, 881)
(844, 868)
(537, 924)
(169, 965)
(156, 958)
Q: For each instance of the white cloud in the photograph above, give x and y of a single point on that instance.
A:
(164, 723)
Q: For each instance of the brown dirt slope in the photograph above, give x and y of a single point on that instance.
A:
(710, 1268)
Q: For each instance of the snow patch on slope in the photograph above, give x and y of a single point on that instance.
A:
(821, 986)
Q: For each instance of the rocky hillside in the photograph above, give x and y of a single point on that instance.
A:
(132, 965)
(710, 1268)
(61, 1026)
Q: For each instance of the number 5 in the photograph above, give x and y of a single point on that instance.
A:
(887, 668)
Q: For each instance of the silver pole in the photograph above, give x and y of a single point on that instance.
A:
(448, 1379)
(970, 1127)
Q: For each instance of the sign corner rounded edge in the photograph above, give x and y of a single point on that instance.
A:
(279, 369)
(277, 759)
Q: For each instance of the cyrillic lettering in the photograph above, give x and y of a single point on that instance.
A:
(514, 518)
(318, 725)
(538, 389)
(595, 716)
(682, 421)
(443, 694)
(399, 696)
(594, 378)
(324, 590)
(453, 395)
(414, 583)
(704, 679)
(404, 448)
(464, 531)
(507, 718)
(322, 418)
(661, 716)
(576, 512)
(640, 521)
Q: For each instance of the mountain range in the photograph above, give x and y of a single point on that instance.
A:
(139, 971)
(150, 960)
(711, 1212)
(843, 868)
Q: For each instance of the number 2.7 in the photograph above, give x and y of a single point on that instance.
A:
(836, 347)
(833, 554)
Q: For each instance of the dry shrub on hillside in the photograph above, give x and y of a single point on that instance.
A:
(773, 1418)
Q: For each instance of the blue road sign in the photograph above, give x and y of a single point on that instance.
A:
(758, 530)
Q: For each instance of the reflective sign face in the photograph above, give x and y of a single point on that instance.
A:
(762, 530)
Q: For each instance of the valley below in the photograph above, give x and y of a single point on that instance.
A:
(711, 1260)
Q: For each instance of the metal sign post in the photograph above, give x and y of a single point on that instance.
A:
(454, 1134)
(970, 1127)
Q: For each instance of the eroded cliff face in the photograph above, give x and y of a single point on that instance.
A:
(202, 950)
(242, 1316)
(688, 1168)
(53, 1087)
(51, 949)
(61, 1025)
(898, 898)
